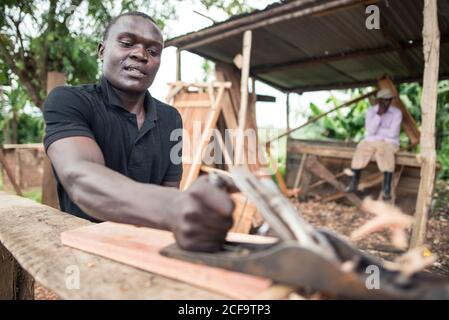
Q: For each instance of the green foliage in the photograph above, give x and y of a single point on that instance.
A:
(64, 38)
(34, 194)
(442, 129)
(343, 124)
(31, 128)
(207, 67)
(349, 124)
(441, 197)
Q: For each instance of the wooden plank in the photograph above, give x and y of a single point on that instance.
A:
(367, 182)
(431, 49)
(402, 158)
(9, 173)
(300, 171)
(231, 109)
(194, 119)
(195, 104)
(15, 283)
(314, 166)
(31, 232)
(139, 247)
(203, 85)
(227, 157)
(178, 65)
(246, 52)
(49, 192)
(321, 182)
(397, 177)
(38, 146)
(277, 173)
(206, 134)
(408, 123)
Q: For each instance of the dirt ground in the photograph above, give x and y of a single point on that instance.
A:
(344, 220)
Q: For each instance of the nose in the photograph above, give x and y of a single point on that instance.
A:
(140, 54)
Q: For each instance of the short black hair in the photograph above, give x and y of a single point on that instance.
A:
(130, 13)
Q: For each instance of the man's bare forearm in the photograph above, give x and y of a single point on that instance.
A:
(107, 195)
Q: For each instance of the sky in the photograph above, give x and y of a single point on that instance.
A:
(267, 114)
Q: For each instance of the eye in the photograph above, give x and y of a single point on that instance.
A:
(153, 51)
(126, 44)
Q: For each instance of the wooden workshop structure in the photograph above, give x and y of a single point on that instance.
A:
(308, 45)
(296, 46)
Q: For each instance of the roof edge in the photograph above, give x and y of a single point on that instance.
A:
(238, 21)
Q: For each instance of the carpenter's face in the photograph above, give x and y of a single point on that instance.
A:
(131, 54)
(385, 103)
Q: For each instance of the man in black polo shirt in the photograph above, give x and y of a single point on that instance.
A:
(110, 145)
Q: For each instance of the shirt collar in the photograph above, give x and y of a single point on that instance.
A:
(113, 99)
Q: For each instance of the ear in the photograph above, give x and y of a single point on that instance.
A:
(100, 50)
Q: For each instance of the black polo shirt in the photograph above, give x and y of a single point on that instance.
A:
(95, 111)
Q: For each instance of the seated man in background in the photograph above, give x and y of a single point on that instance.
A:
(382, 128)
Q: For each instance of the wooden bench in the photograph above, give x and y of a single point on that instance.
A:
(31, 250)
(335, 150)
(333, 157)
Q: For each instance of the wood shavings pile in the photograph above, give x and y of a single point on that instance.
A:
(345, 220)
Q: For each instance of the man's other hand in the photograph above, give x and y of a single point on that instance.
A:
(201, 216)
(381, 110)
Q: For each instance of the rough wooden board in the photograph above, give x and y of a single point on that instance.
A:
(402, 157)
(49, 192)
(15, 283)
(139, 247)
(194, 118)
(314, 166)
(31, 232)
(429, 98)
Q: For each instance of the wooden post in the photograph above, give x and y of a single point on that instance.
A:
(49, 193)
(9, 172)
(288, 112)
(15, 282)
(431, 50)
(246, 52)
(300, 170)
(178, 65)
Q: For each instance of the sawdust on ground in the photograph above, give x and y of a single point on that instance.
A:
(344, 219)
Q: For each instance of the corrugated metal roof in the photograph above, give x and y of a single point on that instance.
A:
(329, 49)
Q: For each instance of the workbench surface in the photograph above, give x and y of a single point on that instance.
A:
(31, 233)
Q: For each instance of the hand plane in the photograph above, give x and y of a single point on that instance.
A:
(305, 257)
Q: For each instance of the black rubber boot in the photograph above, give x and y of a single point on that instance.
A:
(388, 176)
(354, 181)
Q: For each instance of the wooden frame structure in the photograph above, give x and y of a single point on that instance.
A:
(293, 10)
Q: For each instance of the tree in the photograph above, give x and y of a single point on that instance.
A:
(54, 35)
(13, 101)
(60, 37)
